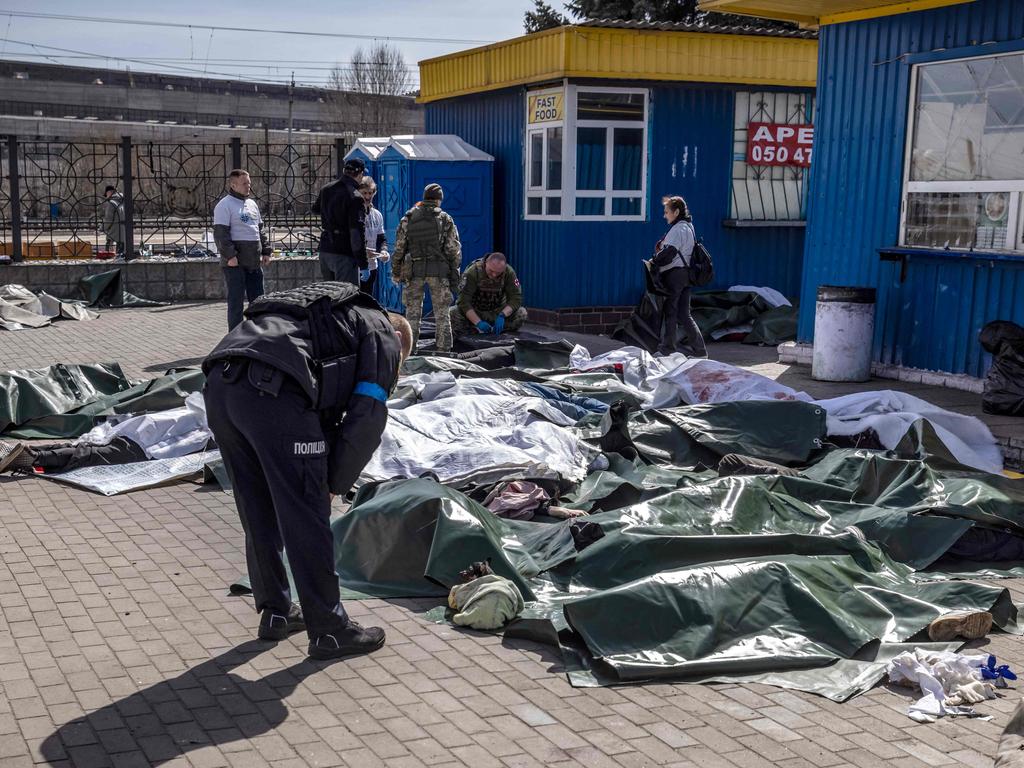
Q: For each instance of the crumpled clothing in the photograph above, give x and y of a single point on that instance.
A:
(517, 500)
(487, 603)
(947, 680)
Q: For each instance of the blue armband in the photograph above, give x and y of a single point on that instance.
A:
(369, 389)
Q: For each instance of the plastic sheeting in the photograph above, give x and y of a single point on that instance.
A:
(687, 584)
(66, 401)
(112, 479)
(20, 308)
(107, 290)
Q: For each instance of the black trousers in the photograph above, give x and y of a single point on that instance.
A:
(368, 285)
(275, 453)
(242, 283)
(65, 457)
(676, 312)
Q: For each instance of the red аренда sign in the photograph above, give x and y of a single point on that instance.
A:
(779, 144)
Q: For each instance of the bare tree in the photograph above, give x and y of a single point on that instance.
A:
(372, 89)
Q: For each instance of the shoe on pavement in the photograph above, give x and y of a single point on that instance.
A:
(274, 626)
(970, 625)
(14, 457)
(350, 641)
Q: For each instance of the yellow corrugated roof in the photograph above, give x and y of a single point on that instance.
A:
(621, 54)
(815, 12)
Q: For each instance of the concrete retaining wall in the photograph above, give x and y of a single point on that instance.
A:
(177, 280)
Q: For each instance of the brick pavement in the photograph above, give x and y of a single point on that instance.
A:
(120, 647)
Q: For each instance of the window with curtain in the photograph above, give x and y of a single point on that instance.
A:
(964, 185)
(593, 163)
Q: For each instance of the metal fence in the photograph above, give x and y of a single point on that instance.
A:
(51, 192)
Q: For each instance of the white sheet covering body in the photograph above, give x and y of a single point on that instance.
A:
(663, 382)
(162, 435)
(475, 430)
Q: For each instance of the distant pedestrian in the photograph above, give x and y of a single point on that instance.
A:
(428, 254)
(242, 242)
(376, 240)
(342, 214)
(113, 220)
(671, 262)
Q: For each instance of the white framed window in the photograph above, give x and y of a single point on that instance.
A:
(963, 183)
(586, 154)
(770, 191)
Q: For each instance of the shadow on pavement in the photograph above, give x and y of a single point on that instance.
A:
(204, 706)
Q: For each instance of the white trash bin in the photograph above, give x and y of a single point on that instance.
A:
(844, 330)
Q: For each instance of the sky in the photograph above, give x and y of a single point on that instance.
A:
(460, 23)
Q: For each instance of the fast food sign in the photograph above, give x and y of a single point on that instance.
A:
(779, 144)
(545, 107)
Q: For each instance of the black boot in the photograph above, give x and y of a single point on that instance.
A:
(274, 626)
(350, 641)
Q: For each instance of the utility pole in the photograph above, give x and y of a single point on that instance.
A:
(291, 101)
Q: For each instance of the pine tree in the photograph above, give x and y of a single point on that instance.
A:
(542, 17)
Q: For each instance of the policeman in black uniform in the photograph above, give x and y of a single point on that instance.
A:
(296, 399)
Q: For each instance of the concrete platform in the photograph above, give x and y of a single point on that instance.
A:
(120, 647)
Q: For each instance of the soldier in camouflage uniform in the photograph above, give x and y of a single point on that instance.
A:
(490, 298)
(427, 253)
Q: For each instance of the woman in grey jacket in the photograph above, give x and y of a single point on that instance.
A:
(672, 261)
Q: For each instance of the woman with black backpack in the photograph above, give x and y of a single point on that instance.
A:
(671, 265)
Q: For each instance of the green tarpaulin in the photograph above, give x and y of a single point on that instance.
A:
(66, 401)
(809, 582)
(107, 290)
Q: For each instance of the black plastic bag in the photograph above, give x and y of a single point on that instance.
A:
(1004, 385)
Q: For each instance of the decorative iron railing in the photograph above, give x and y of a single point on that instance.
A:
(51, 197)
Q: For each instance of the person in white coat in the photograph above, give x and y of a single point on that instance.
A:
(376, 240)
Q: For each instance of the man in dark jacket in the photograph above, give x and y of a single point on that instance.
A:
(296, 399)
(342, 216)
(241, 237)
(113, 220)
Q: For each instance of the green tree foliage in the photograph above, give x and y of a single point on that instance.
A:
(544, 16)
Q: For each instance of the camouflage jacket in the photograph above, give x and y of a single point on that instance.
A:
(405, 268)
(486, 294)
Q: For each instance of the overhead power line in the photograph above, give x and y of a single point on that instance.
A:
(219, 28)
(241, 63)
(178, 68)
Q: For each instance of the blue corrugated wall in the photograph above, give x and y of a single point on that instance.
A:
(931, 319)
(577, 264)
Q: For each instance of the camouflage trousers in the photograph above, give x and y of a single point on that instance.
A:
(440, 297)
(461, 325)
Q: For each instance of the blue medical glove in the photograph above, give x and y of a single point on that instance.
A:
(483, 326)
(364, 275)
(499, 325)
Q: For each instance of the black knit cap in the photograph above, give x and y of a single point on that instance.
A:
(433, 192)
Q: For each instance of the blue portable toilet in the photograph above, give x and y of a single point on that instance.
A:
(368, 149)
(466, 174)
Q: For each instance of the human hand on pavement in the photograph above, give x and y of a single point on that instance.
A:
(233, 261)
(484, 327)
(499, 325)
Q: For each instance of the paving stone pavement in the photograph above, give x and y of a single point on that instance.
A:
(119, 646)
